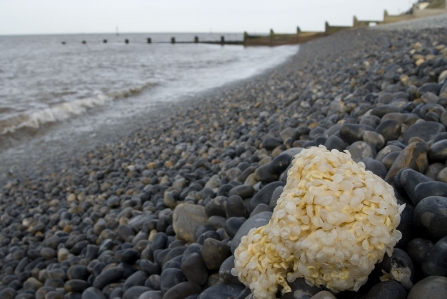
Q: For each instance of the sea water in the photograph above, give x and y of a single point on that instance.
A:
(55, 87)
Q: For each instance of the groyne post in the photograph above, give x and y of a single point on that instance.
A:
(126, 41)
(84, 42)
(149, 40)
(222, 40)
(104, 41)
(172, 40)
(196, 39)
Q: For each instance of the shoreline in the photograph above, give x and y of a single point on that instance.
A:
(105, 225)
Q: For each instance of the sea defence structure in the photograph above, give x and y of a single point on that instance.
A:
(419, 10)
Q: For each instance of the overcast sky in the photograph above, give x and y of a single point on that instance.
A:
(255, 16)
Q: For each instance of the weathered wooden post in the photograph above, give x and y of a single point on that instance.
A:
(196, 39)
(149, 40)
(126, 41)
(84, 42)
(172, 40)
(271, 32)
(63, 43)
(298, 30)
(222, 40)
(104, 41)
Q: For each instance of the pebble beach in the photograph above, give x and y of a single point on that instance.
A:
(160, 212)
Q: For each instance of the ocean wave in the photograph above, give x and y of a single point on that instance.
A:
(66, 110)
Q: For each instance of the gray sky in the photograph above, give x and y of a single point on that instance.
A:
(102, 16)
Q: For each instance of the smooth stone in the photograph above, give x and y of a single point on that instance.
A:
(182, 290)
(323, 295)
(280, 163)
(225, 275)
(409, 179)
(386, 151)
(271, 143)
(235, 207)
(335, 142)
(151, 295)
(275, 196)
(48, 253)
(429, 98)
(375, 139)
(214, 253)
(442, 175)
(389, 129)
(113, 201)
(389, 159)
(300, 289)
(265, 174)
(136, 279)
(399, 267)
(375, 167)
(424, 130)
(360, 150)
(135, 292)
(93, 293)
(186, 219)
(406, 226)
(252, 222)
(438, 151)
(221, 291)
(435, 262)
(159, 241)
(381, 111)
(124, 232)
(233, 224)
(216, 207)
(56, 273)
(261, 208)
(130, 256)
(351, 133)
(418, 249)
(430, 217)
(108, 276)
(265, 194)
(433, 170)
(8, 293)
(387, 290)
(194, 269)
(76, 285)
(244, 191)
(171, 277)
(426, 189)
(413, 156)
(429, 87)
(246, 173)
(433, 287)
(288, 133)
(149, 267)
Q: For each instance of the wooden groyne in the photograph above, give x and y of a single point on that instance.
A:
(274, 39)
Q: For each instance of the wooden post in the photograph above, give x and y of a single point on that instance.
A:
(172, 40)
(196, 39)
(222, 40)
(149, 40)
(126, 41)
(63, 43)
(84, 42)
(298, 30)
(104, 41)
(271, 32)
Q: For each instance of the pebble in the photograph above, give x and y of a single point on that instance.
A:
(433, 287)
(435, 262)
(387, 290)
(182, 290)
(265, 194)
(430, 217)
(194, 269)
(186, 219)
(214, 253)
(221, 291)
